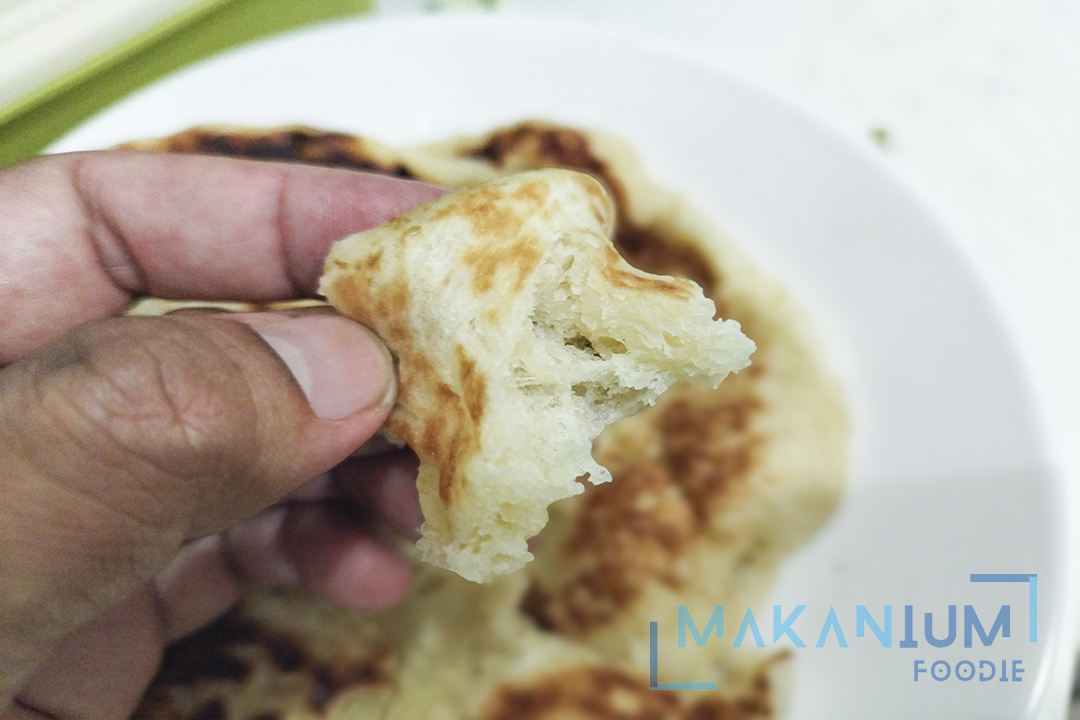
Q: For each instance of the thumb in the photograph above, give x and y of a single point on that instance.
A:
(129, 436)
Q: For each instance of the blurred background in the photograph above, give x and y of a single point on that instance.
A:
(975, 104)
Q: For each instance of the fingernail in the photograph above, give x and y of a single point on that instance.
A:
(342, 367)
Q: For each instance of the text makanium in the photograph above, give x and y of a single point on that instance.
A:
(956, 626)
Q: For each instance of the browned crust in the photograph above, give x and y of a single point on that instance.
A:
(610, 694)
(291, 144)
(223, 654)
(449, 431)
(628, 534)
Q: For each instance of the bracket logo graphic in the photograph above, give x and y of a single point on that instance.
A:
(1033, 595)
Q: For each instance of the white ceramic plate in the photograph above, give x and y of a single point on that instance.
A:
(950, 475)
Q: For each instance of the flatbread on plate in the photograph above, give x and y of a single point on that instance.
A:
(712, 488)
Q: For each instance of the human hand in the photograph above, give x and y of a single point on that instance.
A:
(138, 456)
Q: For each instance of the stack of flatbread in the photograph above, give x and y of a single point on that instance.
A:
(711, 486)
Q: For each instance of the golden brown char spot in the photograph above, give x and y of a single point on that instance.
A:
(397, 332)
(445, 393)
(542, 144)
(446, 486)
(370, 263)
(405, 226)
(392, 302)
(420, 370)
(533, 193)
(486, 209)
(473, 384)
(450, 430)
(613, 272)
(707, 447)
(597, 215)
(383, 310)
(519, 257)
(610, 694)
(447, 442)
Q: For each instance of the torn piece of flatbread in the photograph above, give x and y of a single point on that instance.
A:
(519, 333)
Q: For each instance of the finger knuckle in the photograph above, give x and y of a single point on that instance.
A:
(162, 401)
(171, 398)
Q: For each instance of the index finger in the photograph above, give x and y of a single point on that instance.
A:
(81, 234)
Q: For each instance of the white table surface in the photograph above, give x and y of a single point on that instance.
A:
(980, 104)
